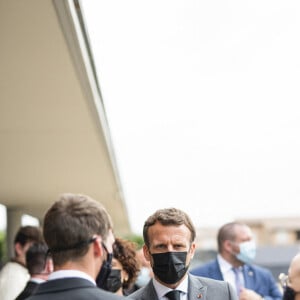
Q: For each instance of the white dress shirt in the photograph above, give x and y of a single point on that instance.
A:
(70, 273)
(228, 273)
(161, 290)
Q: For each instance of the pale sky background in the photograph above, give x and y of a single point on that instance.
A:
(203, 103)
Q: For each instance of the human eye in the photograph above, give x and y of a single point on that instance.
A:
(179, 247)
(160, 247)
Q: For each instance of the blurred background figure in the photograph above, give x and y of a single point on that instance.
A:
(236, 252)
(14, 274)
(39, 265)
(145, 273)
(291, 282)
(125, 267)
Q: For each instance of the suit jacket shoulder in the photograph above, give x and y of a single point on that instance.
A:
(210, 289)
(71, 288)
(209, 270)
(257, 278)
(144, 293)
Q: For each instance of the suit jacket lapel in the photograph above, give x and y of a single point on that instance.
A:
(196, 290)
(149, 292)
(216, 272)
(249, 277)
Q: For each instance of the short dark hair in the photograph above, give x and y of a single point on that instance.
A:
(27, 234)
(70, 224)
(227, 232)
(36, 257)
(167, 217)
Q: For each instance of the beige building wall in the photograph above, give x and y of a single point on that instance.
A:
(267, 232)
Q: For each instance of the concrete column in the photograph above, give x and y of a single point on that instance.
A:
(14, 217)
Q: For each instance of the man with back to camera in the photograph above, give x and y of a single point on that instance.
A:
(169, 237)
(14, 274)
(78, 232)
(236, 251)
(39, 266)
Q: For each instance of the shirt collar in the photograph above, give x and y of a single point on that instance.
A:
(37, 280)
(225, 266)
(70, 273)
(161, 290)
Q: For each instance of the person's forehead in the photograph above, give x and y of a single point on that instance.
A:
(160, 232)
(243, 232)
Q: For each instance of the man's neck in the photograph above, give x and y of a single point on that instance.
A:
(19, 261)
(40, 276)
(231, 259)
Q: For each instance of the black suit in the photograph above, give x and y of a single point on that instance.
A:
(30, 287)
(71, 289)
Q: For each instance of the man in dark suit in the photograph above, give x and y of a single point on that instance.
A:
(237, 250)
(169, 237)
(39, 266)
(78, 232)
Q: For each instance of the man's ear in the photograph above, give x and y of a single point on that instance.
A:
(227, 246)
(18, 249)
(98, 249)
(192, 249)
(48, 266)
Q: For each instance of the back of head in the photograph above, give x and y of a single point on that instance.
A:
(27, 234)
(70, 224)
(24, 236)
(36, 258)
(169, 217)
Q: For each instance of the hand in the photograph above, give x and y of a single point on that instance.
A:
(247, 294)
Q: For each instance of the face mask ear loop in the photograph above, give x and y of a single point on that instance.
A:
(105, 269)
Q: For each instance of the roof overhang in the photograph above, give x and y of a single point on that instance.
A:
(53, 129)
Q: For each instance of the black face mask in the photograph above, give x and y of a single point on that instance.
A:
(101, 279)
(113, 281)
(289, 293)
(169, 267)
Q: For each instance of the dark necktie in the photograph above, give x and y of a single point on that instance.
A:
(173, 295)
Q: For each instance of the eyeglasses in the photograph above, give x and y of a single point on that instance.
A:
(283, 280)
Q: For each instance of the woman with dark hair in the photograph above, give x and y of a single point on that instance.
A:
(125, 267)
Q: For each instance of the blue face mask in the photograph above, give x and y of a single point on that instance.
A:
(247, 252)
(143, 277)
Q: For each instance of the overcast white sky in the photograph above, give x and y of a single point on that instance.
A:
(203, 103)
